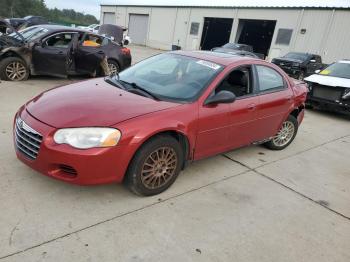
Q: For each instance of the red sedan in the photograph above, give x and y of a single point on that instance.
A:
(143, 126)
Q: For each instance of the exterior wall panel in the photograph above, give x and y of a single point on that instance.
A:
(326, 30)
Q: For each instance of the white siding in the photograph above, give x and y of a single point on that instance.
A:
(326, 30)
(337, 44)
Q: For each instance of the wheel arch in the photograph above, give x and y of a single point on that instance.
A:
(178, 135)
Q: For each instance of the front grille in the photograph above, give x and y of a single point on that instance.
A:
(327, 93)
(27, 140)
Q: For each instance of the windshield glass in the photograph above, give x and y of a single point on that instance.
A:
(338, 70)
(172, 76)
(297, 56)
(30, 33)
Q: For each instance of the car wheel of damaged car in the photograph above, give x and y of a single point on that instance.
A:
(113, 67)
(285, 135)
(155, 166)
(13, 69)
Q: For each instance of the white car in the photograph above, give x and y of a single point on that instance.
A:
(330, 88)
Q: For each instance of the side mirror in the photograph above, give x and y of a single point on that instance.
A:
(125, 42)
(317, 71)
(312, 61)
(223, 97)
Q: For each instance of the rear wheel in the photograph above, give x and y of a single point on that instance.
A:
(285, 135)
(155, 166)
(113, 67)
(13, 69)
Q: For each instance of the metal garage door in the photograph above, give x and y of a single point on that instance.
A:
(109, 18)
(138, 25)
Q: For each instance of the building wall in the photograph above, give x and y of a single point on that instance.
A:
(326, 30)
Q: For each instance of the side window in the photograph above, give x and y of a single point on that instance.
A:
(269, 79)
(60, 40)
(239, 82)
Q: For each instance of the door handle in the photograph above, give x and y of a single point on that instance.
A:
(60, 53)
(100, 52)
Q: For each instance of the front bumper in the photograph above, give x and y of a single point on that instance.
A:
(82, 167)
(334, 106)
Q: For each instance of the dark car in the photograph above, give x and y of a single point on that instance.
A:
(22, 23)
(329, 89)
(299, 65)
(235, 52)
(61, 51)
(236, 46)
(146, 125)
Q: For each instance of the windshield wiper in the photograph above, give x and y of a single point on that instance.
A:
(115, 83)
(143, 90)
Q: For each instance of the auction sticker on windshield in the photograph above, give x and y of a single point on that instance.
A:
(208, 64)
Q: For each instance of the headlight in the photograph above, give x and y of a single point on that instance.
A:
(88, 137)
(295, 64)
(346, 94)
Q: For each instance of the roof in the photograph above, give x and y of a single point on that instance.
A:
(215, 57)
(234, 3)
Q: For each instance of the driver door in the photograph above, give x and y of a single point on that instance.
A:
(51, 56)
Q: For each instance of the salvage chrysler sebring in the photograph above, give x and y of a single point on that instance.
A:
(144, 126)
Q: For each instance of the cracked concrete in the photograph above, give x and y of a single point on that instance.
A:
(250, 204)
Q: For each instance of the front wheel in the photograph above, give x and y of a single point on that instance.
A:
(155, 166)
(285, 135)
(13, 69)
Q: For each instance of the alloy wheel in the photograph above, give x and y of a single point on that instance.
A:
(113, 69)
(285, 134)
(159, 167)
(16, 71)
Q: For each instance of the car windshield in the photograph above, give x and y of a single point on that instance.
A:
(297, 56)
(30, 33)
(337, 70)
(171, 76)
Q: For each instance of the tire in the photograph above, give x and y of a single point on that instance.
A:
(13, 69)
(277, 142)
(113, 67)
(146, 176)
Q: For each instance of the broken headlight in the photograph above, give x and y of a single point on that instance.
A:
(346, 94)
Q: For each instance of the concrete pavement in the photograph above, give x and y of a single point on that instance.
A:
(250, 204)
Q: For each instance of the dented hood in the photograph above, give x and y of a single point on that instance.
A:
(328, 80)
(112, 31)
(6, 28)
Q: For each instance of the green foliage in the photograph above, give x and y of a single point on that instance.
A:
(22, 8)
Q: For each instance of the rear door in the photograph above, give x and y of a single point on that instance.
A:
(89, 53)
(51, 56)
(275, 101)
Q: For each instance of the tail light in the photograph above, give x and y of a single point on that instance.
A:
(125, 51)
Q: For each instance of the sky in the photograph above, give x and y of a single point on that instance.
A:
(85, 6)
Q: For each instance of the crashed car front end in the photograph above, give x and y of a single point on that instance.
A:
(329, 93)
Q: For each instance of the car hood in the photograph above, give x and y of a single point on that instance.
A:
(4, 25)
(328, 80)
(285, 59)
(91, 103)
